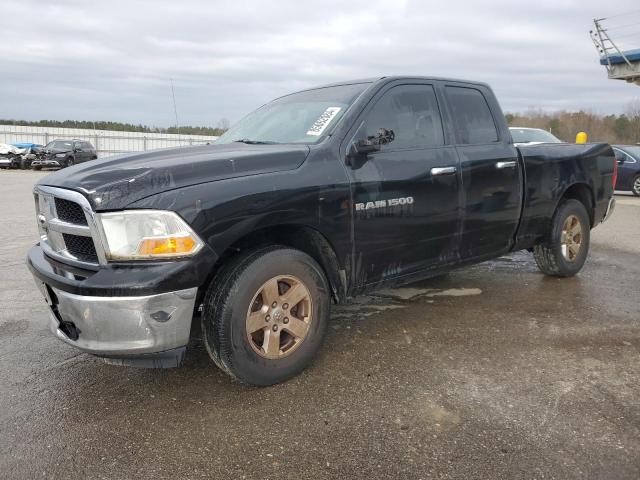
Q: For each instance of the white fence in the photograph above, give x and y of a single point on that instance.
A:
(107, 142)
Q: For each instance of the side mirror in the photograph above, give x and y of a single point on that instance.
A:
(372, 143)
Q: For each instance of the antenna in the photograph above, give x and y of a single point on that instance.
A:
(175, 109)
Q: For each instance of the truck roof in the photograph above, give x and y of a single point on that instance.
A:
(392, 78)
(373, 80)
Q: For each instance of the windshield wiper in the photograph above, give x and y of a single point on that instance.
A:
(254, 142)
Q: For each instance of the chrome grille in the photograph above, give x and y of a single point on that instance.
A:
(81, 247)
(70, 212)
(68, 231)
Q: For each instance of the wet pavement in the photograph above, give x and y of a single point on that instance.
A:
(494, 371)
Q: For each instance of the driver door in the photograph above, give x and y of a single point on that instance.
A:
(406, 196)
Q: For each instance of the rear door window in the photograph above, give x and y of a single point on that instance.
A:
(471, 116)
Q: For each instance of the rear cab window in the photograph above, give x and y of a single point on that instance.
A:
(472, 117)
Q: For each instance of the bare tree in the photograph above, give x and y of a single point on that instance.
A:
(633, 114)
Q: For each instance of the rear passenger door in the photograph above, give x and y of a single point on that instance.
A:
(627, 169)
(90, 151)
(491, 172)
(406, 205)
(79, 154)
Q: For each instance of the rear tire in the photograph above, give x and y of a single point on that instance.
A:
(240, 328)
(38, 167)
(635, 186)
(566, 246)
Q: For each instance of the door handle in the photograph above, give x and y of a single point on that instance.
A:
(443, 171)
(502, 165)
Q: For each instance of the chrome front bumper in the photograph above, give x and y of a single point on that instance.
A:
(121, 327)
(45, 163)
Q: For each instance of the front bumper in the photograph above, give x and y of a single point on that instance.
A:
(120, 326)
(137, 315)
(45, 163)
(126, 329)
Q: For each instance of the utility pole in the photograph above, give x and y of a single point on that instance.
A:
(175, 109)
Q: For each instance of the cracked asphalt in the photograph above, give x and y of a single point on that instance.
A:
(494, 371)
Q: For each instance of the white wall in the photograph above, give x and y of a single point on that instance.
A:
(107, 142)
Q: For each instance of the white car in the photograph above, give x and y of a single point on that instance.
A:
(532, 136)
(7, 154)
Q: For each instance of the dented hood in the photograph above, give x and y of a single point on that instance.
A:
(115, 182)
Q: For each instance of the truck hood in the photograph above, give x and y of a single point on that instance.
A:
(113, 183)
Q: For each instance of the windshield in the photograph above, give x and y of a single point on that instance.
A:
(59, 145)
(303, 117)
(528, 135)
(634, 151)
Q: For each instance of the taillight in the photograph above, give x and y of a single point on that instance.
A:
(615, 172)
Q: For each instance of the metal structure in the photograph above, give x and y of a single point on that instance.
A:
(621, 56)
(107, 142)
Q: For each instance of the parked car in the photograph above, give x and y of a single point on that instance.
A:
(628, 157)
(532, 136)
(64, 153)
(31, 151)
(10, 155)
(315, 197)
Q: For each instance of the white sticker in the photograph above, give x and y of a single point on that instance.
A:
(323, 121)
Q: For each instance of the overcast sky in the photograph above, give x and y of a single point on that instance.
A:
(112, 60)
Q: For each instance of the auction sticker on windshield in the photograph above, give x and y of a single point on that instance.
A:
(323, 121)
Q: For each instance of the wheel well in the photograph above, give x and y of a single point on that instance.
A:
(300, 237)
(582, 193)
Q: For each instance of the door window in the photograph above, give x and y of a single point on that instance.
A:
(472, 116)
(623, 157)
(411, 111)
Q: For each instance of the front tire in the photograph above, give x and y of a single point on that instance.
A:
(265, 315)
(565, 249)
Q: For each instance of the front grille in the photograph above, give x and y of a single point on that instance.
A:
(65, 232)
(70, 212)
(81, 247)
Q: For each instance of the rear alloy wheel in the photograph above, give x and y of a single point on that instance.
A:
(265, 314)
(635, 188)
(571, 238)
(566, 247)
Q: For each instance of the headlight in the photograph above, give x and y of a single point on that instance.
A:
(60, 155)
(146, 235)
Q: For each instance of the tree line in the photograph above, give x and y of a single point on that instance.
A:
(614, 129)
(223, 126)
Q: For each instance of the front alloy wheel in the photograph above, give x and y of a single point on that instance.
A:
(265, 314)
(279, 317)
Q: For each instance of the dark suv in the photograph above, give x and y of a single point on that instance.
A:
(64, 153)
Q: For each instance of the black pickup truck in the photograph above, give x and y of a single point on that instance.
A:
(313, 198)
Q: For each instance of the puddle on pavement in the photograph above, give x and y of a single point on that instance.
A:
(395, 298)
